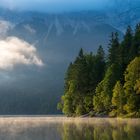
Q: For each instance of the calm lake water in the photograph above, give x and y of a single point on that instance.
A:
(61, 128)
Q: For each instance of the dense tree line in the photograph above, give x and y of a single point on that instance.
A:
(99, 85)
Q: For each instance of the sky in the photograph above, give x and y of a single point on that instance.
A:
(54, 5)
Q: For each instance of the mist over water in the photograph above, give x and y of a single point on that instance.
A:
(59, 128)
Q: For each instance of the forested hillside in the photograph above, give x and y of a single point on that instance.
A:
(101, 85)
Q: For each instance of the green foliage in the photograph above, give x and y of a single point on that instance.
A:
(82, 77)
(79, 110)
(88, 103)
(102, 99)
(137, 87)
(113, 49)
(118, 98)
(126, 47)
(67, 105)
(132, 76)
(111, 87)
(135, 49)
(118, 58)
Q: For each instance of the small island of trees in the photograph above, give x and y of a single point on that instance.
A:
(100, 85)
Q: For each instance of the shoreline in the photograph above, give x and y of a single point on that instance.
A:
(59, 120)
(62, 117)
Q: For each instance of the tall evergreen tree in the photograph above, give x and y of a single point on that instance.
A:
(132, 76)
(100, 64)
(126, 47)
(114, 49)
(135, 49)
(118, 99)
(103, 96)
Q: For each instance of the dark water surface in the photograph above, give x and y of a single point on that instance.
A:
(61, 128)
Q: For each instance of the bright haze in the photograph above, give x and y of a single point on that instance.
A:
(55, 5)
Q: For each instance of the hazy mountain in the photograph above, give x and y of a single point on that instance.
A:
(58, 38)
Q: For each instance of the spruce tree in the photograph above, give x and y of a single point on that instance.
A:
(118, 99)
(132, 76)
(126, 47)
(135, 49)
(103, 96)
(114, 49)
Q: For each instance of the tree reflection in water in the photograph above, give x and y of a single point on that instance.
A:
(118, 130)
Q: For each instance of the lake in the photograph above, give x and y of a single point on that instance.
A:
(62, 128)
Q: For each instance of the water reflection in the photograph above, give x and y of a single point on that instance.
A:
(104, 130)
(55, 129)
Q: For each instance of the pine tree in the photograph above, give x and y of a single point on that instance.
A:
(113, 56)
(135, 49)
(101, 100)
(126, 47)
(81, 53)
(118, 99)
(132, 76)
(99, 65)
(103, 96)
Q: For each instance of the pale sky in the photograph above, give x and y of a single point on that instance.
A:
(54, 5)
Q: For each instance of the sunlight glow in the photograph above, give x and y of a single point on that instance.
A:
(14, 51)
